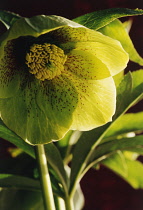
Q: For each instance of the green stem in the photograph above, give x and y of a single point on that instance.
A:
(69, 203)
(60, 204)
(44, 178)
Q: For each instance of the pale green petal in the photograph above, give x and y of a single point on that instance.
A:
(96, 102)
(113, 56)
(34, 26)
(22, 115)
(108, 50)
(58, 99)
(86, 65)
(37, 25)
(41, 112)
(81, 34)
(45, 111)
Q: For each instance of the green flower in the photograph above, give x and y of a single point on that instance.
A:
(56, 76)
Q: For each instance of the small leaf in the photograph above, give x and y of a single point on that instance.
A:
(134, 170)
(99, 19)
(8, 18)
(116, 30)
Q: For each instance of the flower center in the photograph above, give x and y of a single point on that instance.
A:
(45, 61)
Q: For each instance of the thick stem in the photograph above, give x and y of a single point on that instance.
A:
(45, 178)
(69, 203)
(60, 204)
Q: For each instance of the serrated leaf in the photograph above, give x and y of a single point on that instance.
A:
(129, 92)
(8, 18)
(116, 30)
(99, 19)
(134, 169)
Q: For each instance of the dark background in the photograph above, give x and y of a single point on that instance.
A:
(103, 189)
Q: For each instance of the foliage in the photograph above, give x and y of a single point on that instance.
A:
(116, 144)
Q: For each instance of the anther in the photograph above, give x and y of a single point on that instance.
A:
(45, 61)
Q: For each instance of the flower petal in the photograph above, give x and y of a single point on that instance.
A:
(9, 82)
(86, 65)
(113, 56)
(96, 104)
(36, 26)
(41, 112)
(58, 99)
(22, 115)
(108, 50)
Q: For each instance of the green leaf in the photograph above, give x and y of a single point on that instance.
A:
(132, 122)
(8, 18)
(53, 155)
(20, 182)
(124, 144)
(66, 144)
(99, 19)
(55, 160)
(117, 163)
(134, 169)
(10, 136)
(20, 199)
(129, 92)
(116, 30)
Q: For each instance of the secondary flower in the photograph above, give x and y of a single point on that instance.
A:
(56, 77)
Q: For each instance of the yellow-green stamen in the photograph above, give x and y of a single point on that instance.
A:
(45, 61)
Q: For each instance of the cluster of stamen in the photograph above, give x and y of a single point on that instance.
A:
(45, 61)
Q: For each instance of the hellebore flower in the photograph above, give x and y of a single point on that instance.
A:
(57, 77)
